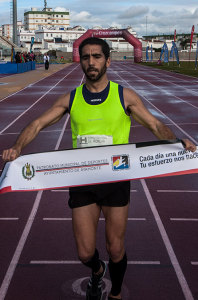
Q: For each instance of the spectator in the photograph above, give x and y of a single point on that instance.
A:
(46, 61)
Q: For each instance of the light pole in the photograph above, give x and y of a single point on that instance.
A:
(146, 26)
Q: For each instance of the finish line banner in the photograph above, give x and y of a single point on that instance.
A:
(87, 166)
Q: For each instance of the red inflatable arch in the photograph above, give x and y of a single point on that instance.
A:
(107, 34)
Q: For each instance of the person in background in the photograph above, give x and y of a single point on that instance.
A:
(46, 61)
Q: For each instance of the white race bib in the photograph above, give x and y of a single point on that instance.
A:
(94, 140)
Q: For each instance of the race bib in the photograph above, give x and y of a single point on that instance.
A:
(94, 140)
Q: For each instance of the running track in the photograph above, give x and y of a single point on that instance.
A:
(38, 259)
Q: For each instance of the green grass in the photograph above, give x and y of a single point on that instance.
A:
(186, 67)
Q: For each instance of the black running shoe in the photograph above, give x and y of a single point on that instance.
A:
(94, 287)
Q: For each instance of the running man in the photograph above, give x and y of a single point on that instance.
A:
(99, 109)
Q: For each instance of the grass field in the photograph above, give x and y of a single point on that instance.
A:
(185, 67)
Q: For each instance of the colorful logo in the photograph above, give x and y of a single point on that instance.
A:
(120, 162)
(28, 171)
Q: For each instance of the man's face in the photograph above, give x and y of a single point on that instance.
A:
(93, 62)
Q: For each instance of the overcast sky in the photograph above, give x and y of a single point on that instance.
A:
(151, 17)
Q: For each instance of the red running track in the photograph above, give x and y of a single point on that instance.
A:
(37, 254)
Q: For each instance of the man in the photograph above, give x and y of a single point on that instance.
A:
(99, 110)
(46, 61)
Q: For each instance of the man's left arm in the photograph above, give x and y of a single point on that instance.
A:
(140, 113)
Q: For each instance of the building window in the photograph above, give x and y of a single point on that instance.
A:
(57, 16)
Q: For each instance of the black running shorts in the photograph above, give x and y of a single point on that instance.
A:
(108, 194)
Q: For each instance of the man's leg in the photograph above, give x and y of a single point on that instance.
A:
(116, 220)
(85, 221)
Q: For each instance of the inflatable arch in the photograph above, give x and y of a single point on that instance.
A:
(107, 34)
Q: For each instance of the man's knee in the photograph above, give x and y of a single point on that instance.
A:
(85, 255)
(116, 250)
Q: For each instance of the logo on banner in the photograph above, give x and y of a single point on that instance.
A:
(28, 171)
(120, 162)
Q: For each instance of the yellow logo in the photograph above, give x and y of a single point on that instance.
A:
(28, 171)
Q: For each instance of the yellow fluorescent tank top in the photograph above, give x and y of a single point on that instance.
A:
(102, 124)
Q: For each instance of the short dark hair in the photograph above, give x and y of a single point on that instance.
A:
(95, 41)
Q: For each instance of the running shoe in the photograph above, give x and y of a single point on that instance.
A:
(94, 287)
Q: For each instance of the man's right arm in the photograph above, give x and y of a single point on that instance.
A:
(51, 116)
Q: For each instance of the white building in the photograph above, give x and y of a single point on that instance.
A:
(51, 38)
(61, 38)
(7, 29)
(46, 17)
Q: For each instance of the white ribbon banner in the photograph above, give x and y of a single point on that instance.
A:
(87, 166)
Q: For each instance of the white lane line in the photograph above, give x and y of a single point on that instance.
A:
(63, 191)
(9, 219)
(181, 278)
(28, 86)
(183, 131)
(184, 219)
(77, 262)
(177, 191)
(11, 269)
(100, 219)
(42, 131)
(15, 259)
(194, 263)
(166, 92)
(193, 92)
(25, 111)
(58, 130)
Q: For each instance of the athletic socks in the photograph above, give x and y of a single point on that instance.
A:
(117, 271)
(94, 263)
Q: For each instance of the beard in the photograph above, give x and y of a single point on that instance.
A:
(97, 73)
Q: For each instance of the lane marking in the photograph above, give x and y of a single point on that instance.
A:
(175, 263)
(100, 219)
(25, 111)
(77, 262)
(183, 131)
(15, 259)
(194, 263)
(177, 191)
(172, 94)
(9, 219)
(184, 219)
(28, 86)
(58, 130)
(63, 191)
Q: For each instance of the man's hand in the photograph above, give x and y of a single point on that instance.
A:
(188, 145)
(10, 154)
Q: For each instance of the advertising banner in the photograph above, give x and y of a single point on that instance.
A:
(87, 166)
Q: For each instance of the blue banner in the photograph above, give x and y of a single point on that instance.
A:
(32, 42)
(165, 53)
(151, 53)
(147, 56)
(162, 52)
(172, 49)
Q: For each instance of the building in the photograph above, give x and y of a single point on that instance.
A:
(7, 29)
(54, 38)
(46, 17)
